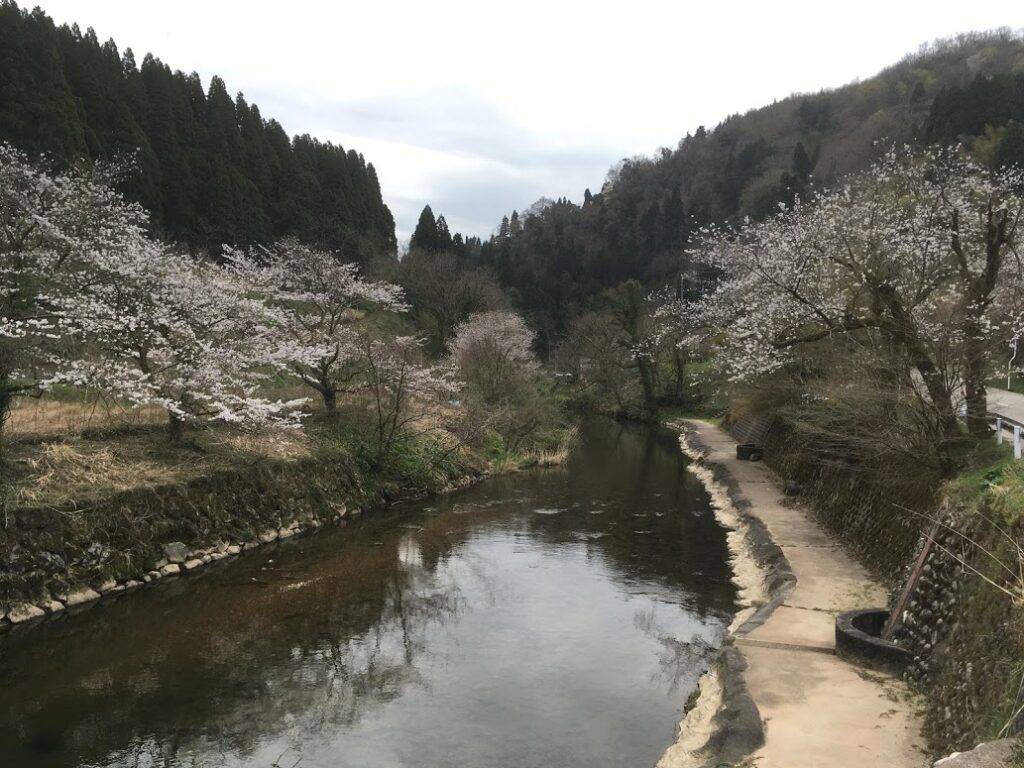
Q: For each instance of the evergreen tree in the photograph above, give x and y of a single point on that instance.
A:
(444, 236)
(424, 237)
(208, 167)
(802, 164)
(38, 110)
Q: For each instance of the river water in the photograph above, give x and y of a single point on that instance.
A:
(552, 618)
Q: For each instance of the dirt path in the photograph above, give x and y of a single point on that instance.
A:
(818, 711)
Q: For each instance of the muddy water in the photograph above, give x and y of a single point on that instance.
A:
(556, 617)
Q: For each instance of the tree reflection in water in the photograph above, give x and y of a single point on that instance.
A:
(447, 628)
(307, 652)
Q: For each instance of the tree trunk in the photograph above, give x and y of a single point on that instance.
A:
(904, 331)
(941, 397)
(5, 411)
(175, 427)
(975, 376)
(330, 397)
(679, 388)
(978, 296)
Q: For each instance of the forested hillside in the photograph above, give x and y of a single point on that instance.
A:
(557, 258)
(210, 168)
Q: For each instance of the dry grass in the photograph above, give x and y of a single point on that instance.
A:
(558, 455)
(59, 470)
(49, 416)
(282, 445)
(72, 450)
(75, 468)
(64, 450)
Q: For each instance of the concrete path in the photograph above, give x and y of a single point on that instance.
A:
(819, 711)
(1005, 403)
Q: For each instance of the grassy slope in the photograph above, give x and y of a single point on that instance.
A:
(98, 502)
(1016, 384)
(72, 449)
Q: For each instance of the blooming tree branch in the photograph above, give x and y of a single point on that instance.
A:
(910, 253)
(320, 302)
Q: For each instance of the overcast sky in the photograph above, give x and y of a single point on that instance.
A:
(478, 108)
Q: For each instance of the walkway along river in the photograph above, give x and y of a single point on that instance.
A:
(556, 617)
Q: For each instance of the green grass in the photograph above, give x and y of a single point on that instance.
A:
(1016, 383)
(993, 479)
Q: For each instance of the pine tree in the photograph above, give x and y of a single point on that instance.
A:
(444, 236)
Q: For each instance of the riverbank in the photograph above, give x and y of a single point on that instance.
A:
(72, 548)
(400, 639)
(813, 709)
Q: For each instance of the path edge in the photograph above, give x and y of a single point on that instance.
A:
(722, 723)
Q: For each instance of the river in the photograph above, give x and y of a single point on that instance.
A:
(546, 619)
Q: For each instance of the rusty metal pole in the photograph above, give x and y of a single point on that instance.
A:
(908, 589)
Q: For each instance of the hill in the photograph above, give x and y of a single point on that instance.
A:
(210, 168)
(559, 259)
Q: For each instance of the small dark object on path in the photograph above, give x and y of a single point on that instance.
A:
(749, 452)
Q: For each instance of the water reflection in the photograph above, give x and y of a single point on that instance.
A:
(558, 617)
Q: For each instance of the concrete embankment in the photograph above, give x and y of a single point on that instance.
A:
(778, 691)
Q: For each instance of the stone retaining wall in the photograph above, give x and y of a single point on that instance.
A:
(966, 637)
(52, 559)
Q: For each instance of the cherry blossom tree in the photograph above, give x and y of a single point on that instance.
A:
(492, 351)
(983, 213)
(320, 301)
(52, 227)
(89, 299)
(908, 255)
(1008, 308)
(161, 328)
(505, 395)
